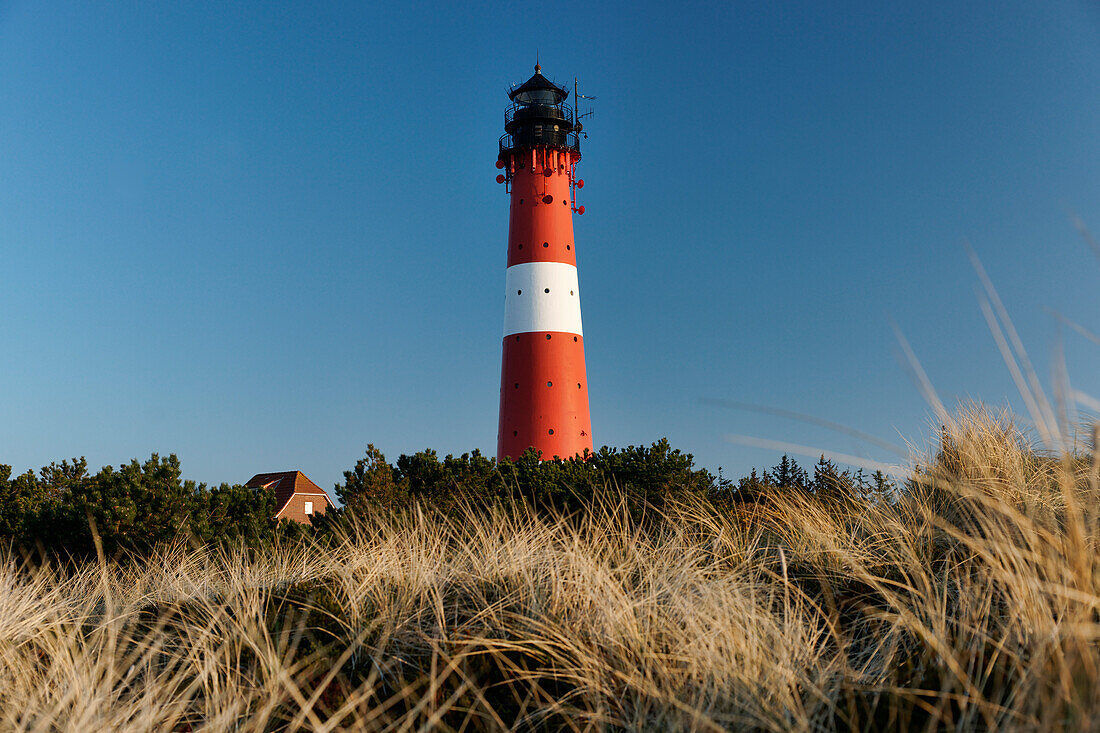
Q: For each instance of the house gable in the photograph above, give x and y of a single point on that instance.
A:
(294, 494)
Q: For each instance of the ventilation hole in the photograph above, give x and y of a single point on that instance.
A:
(517, 385)
(578, 385)
(515, 433)
(568, 247)
(574, 338)
(547, 199)
(545, 244)
(521, 200)
(520, 246)
(517, 338)
(551, 431)
(570, 292)
(546, 290)
(547, 337)
(549, 384)
(564, 203)
(519, 292)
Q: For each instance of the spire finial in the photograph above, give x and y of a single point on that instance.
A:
(538, 69)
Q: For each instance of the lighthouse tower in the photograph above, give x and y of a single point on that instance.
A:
(543, 387)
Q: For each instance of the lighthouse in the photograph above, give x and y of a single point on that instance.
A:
(543, 385)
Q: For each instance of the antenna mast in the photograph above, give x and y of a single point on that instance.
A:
(575, 101)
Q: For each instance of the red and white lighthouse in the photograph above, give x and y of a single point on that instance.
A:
(543, 387)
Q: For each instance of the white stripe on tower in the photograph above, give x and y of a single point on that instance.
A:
(542, 296)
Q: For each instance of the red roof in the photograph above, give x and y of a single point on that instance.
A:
(286, 484)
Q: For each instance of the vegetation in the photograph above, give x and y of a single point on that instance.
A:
(966, 598)
(142, 506)
(647, 477)
(135, 509)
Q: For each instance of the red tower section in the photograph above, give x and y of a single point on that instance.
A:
(543, 386)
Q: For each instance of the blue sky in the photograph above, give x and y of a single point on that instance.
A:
(262, 235)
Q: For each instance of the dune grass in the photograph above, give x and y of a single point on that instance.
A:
(970, 602)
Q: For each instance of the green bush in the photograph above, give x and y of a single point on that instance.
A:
(132, 509)
(140, 506)
(649, 477)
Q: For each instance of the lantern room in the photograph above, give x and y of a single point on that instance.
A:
(538, 117)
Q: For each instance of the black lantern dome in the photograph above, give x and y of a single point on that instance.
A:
(538, 90)
(538, 117)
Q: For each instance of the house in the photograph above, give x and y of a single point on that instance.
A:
(296, 497)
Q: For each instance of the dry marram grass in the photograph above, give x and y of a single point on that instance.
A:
(971, 602)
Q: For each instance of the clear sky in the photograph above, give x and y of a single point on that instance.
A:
(262, 235)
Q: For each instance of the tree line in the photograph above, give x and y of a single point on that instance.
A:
(65, 509)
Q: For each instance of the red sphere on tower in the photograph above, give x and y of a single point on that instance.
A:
(543, 387)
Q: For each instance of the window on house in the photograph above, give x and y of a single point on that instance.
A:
(308, 507)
